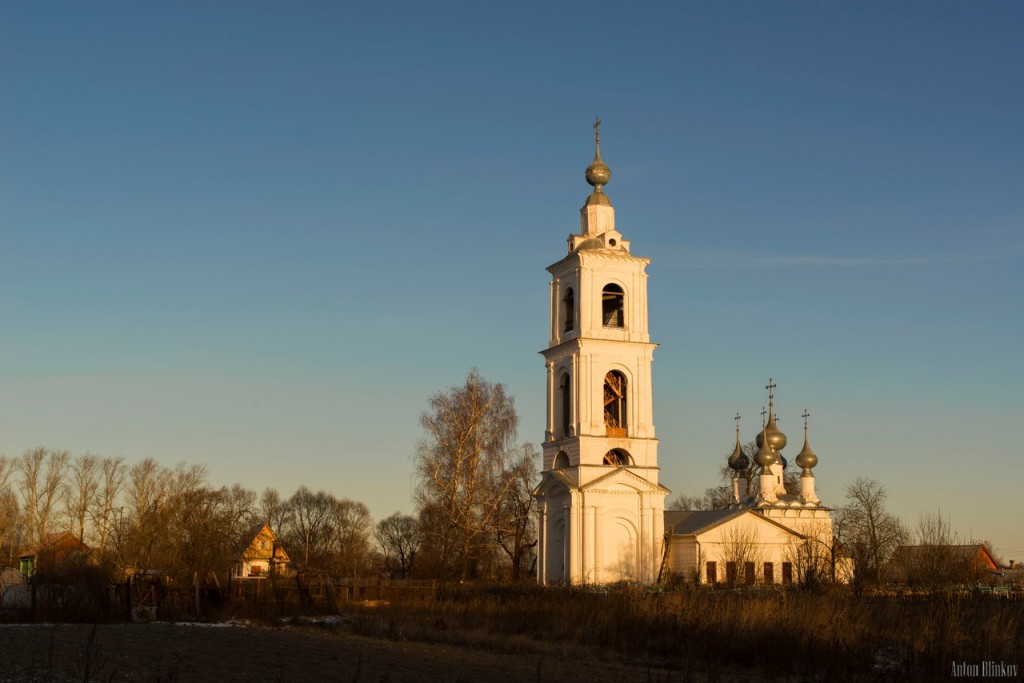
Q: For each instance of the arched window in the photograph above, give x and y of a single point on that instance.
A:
(617, 458)
(615, 404)
(561, 460)
(566, 390)
(613, 306)
(569, 307)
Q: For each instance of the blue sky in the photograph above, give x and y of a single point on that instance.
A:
(259, 236)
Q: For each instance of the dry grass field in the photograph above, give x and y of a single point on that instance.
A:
(526, 633)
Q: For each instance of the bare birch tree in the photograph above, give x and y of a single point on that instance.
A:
(79, 491)
(112, 474)
(42, 473)
(7, 469)
(515, 527)
(465, 470)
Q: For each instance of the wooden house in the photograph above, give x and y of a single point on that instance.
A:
(261, 555)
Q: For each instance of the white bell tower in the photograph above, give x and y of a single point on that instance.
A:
(601, 508)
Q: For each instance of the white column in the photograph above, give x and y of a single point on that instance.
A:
(567, 543)
(598, 559)
(648, 546)
(574, 541)
(553, 311)
(574, 383)
(588, 544)
(542, 545)
(549, 432)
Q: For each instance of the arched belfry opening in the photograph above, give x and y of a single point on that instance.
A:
(617, 458)
(615, 404)
(613, 306)
(569, 310)
(561, 460)
(565, 387)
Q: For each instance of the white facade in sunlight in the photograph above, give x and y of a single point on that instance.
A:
(601, 507)
(600, 504)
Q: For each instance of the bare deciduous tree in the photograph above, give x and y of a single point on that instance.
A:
(740, 548)
(272, 510)
(515, 527)
(398, 538)
(871, 533)
(350, 535)
(12, 529)
(79, 491)
(42, 473)
(308, 523)
(464, 465)
(112, 474)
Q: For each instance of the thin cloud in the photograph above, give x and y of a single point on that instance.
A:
(720, 259)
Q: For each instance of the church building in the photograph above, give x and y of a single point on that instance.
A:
(601, 508)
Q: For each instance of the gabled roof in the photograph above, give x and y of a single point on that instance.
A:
(693, 522)
(247, 545)
(62, 540)
(553, 480)
(973, 552)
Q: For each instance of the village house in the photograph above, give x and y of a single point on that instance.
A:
(54, 551)
(261, 555)
(917, 565)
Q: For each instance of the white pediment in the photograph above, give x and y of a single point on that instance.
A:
(621, 478)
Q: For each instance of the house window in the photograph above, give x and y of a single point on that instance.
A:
(749, 573)
(730, 573)
(787, 572)
(712, 571)
(566, 390)
(615, 404)
(613, 306)
(569, 308)
(769, 572)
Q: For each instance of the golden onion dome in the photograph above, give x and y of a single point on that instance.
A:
(806, 459)
(598, 174)
(776, 439)
(766, 455)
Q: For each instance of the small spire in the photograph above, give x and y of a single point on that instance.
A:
(598, 174)
(776, 439)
